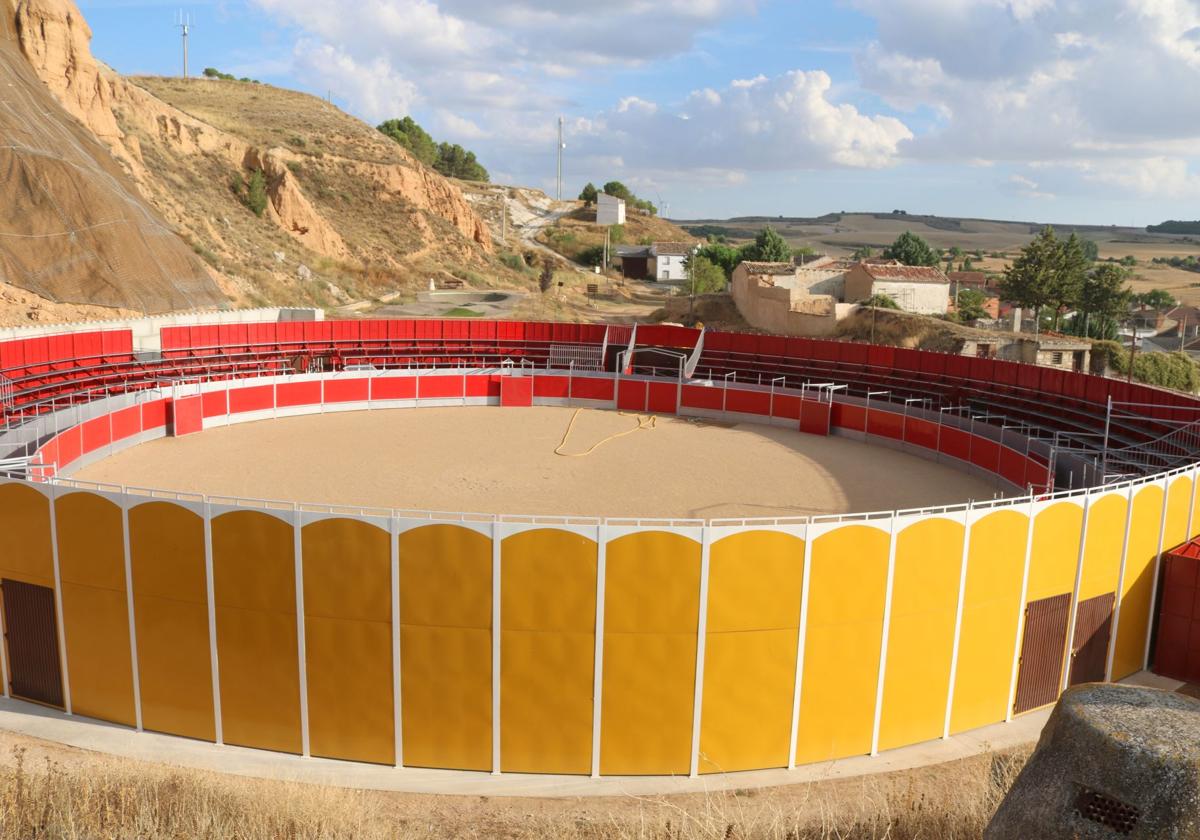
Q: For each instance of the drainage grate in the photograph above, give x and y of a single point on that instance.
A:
(1095, 806)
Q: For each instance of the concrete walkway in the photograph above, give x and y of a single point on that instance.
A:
(84, 733)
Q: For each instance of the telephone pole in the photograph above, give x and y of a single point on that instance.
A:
(561, 146)
(184, 24)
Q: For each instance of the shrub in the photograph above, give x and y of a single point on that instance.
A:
(881, 301)
(256, 192)
(591, 256)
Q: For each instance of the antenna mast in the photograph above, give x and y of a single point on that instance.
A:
(184, 23)
(561, 146)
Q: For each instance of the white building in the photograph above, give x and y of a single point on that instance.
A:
(919, 289)
(610, 210)
(662, 261)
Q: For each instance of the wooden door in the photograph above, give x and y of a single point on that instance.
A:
(1089, 648)
(1042, 649)
(31, 635)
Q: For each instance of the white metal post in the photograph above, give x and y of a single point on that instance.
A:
(129, 607)
(801, 633)
(1016, 659)
(58, 607)
(212, 622)
(598, 664)
(301, 650)
(1112, 647)
(701, 638)
(1074, 616)
(397, 694)
(883, 641)
(1162, 532)
(958, 614)
(497, 535)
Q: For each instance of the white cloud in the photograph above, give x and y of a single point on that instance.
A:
(376, 90)
(1156, 177)
(1027, 187)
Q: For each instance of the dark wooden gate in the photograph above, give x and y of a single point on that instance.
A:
(1042, 652)
(1089, 648)
(31, 632)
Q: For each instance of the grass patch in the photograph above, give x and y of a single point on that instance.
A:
(461, 312)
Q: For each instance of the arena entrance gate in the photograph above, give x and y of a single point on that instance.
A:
(1089, 648)
(31, 636)
(1042, 652)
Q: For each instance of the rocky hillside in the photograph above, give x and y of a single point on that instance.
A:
(74, 228)
(349, 214)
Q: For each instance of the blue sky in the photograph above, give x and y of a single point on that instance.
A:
(1041, 110)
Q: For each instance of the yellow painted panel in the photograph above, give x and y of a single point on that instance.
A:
(754, 582)
(446, 647)
(652, 584)
(847, 588)
(548, 625)
(25, 522)
(445, 577)
(91, 559)
(750, 651)
(1196, 510)
(96, 623)
(1054, 555)
(546, 701)
(991, 609)
(651, 615)
(1179, 500)
(1102, 549)
(746, 717)
(170, 605)
(348, 640)
(921, 636)
(1130, 650)
(254, 584)
(447, 697)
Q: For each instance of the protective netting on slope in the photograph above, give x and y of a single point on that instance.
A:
(72, 226)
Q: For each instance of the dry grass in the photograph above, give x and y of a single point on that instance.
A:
(50, 792)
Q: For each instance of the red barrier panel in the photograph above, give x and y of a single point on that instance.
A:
(187, 416)
(256, 398)
(747, 402)
(550, 387)
(701, 396)
(787, 407)
(851, 417)
(516, 391)
(589, 388)
(1177, 649)
(631, 395)
(126, 423)
(484, 386)
(663, 398)
(215, 403)
(154, 414)
(923, 433)
(439, 387)
(96, 434)
(985, 453)
(1013, 466)
(394, 388)
(885, 424)
(297, 393)
(815, 417)
(70, 446)
(347, 390)
(955, 442)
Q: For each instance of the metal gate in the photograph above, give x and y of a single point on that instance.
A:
(31, 632)
(1089, 648)
(1042, 652)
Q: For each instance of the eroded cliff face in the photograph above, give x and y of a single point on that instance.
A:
(188, 155)
(73, 226)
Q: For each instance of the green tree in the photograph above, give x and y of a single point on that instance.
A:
(706, 276)
(454, 161)
(970, 305)
(863, 252)
(1155, 299)
(1103, 299)
(616, 234)
(618, 190)
(911, 249)
(1066, 283)
(411, 136)
(768, 246)
(1091, 250)
(256, 192)
(1028, 282)
(725, 256)
(881, 301)
(589, 193)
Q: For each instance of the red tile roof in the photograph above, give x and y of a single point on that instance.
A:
(906, 273)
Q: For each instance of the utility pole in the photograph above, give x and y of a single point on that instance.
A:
(561, 145)
(184, 24)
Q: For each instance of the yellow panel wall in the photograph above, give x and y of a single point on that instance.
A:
(1130, 652)
(348, 640)
(1195, 530)
(547, 654)
(1054, 553)
(446, 647)
(91, 562)
(847, 588)
(1179, 500)
(254, 584)
(991, 606)
(651, 617)
(921, 635)
(26, 554)
(754, 588)
(1102, 549)
(170, 606)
